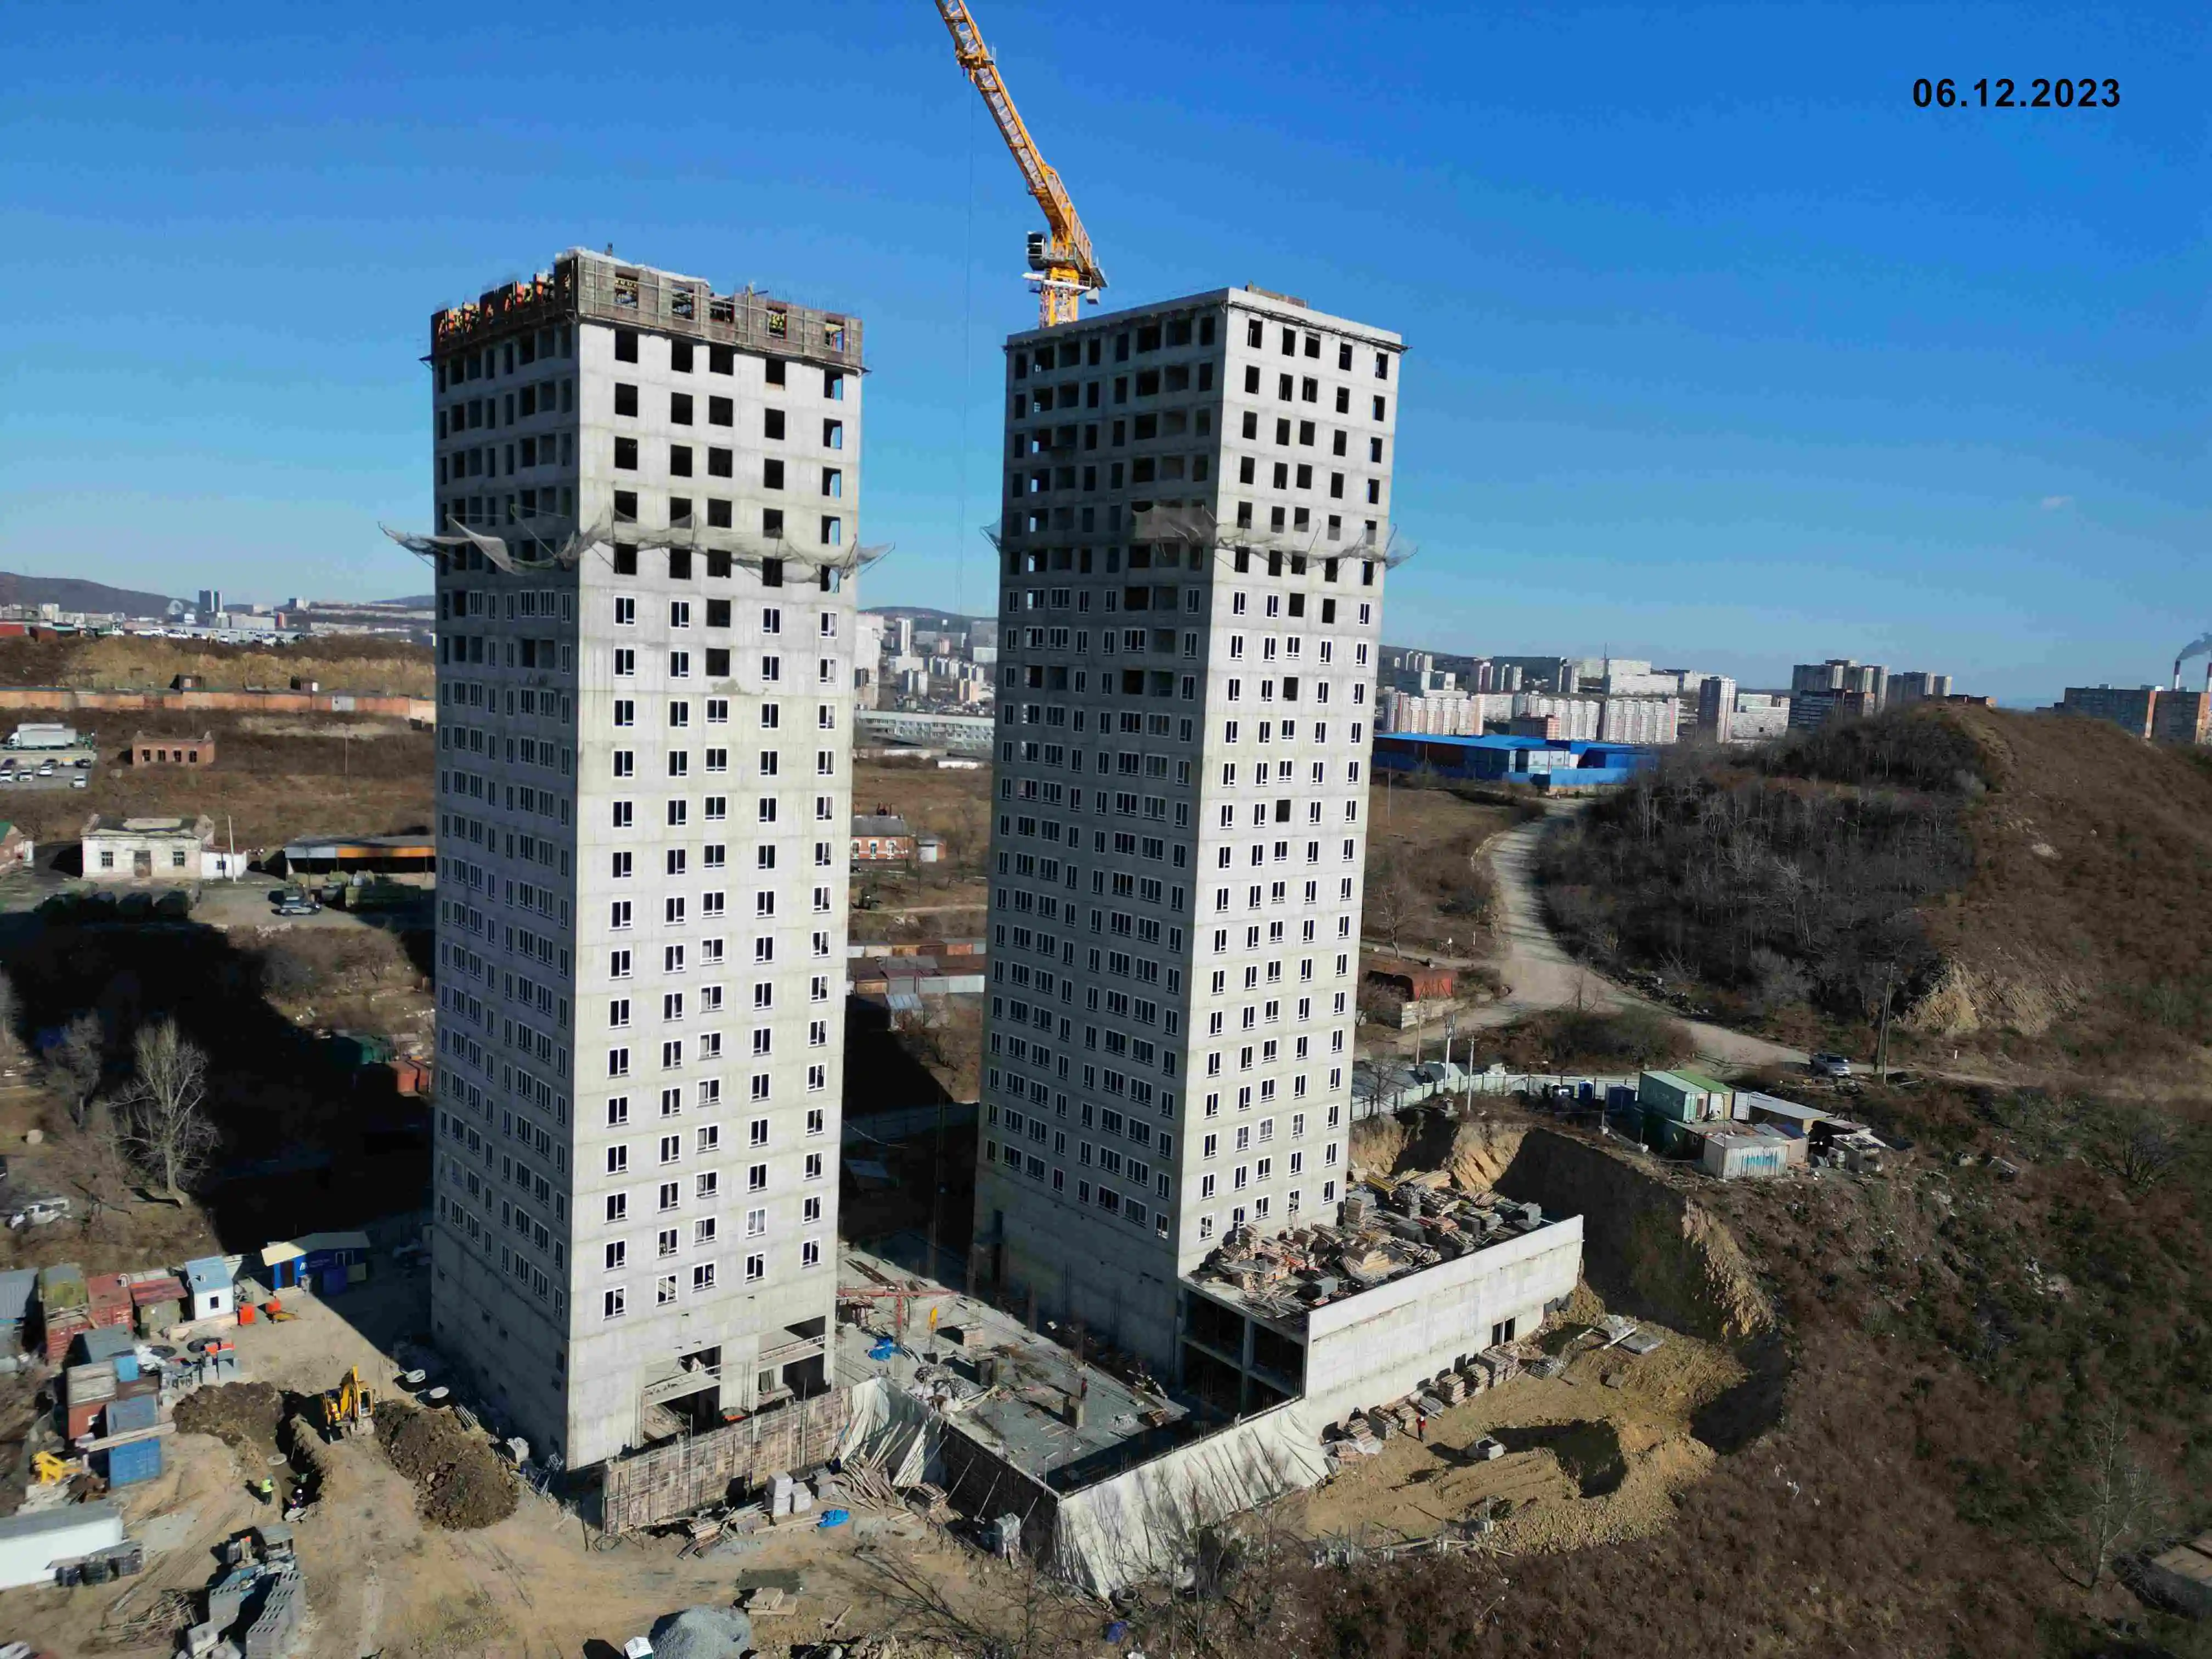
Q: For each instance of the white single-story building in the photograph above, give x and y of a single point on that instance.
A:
(32, 1545)
(147, 849)
(214, 1289)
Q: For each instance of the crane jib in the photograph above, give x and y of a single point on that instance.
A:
(1074, 270)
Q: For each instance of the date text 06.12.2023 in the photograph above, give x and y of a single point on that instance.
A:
(2064, 92)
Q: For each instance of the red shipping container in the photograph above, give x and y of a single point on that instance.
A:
(62, 1329)
(111, 1299)
(161, 1287)
(81, 1418)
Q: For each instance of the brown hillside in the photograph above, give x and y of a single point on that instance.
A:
(2088, 918)
(2027, 890)
(340, 662)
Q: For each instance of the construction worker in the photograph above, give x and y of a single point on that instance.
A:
(265, 1490)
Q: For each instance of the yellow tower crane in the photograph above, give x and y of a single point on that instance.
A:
(1060, 259)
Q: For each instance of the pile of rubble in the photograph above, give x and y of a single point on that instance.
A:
(1383, 1231)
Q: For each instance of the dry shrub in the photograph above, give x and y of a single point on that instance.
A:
(1612, 1040)
(299, 960)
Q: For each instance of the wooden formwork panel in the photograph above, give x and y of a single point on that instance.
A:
(668, 1480)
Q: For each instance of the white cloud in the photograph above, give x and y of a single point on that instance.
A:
(2055, 503)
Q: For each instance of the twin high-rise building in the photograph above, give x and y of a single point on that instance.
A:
(647, 495)
(1196, 511)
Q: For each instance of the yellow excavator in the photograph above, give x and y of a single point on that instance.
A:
(350, 1408)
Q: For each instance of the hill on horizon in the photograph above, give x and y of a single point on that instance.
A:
(2029, 891)
(74, 593)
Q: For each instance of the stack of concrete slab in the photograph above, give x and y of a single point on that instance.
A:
(227, 1597)
(275, 1626)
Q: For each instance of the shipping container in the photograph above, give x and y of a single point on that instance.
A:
(103, 1345)
(62, 1329)
(94, 1380)
(111, 1299)
(133, 1461)
(62, 1288)
(141, 1412)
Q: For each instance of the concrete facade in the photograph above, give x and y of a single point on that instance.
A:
(643, 784)
(1196, 510)
(1366, 1350)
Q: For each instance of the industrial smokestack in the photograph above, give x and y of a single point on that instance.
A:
(2196, 648)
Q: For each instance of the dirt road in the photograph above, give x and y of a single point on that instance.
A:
(1541, 974)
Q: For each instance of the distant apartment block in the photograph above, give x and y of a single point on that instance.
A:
(647, 493)
(1441, 713)
(1866, 683)
(1810, 710)
(1648, 722)
(1716, 708)
(2154, 714)
(1918, 687)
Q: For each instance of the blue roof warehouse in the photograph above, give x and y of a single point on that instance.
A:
(1555, 764)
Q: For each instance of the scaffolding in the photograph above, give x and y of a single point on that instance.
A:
(1193, 527)
(556, 543)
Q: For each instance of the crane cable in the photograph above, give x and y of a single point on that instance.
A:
(967, 370)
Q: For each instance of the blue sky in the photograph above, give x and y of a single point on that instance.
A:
(1722, 352)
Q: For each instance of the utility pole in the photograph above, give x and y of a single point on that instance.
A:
(936, 1190)
(1882, 1036)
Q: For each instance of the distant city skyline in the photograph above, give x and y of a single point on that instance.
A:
(1713, 338)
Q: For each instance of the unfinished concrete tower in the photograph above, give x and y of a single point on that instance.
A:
(1192, 551)
(647, 498)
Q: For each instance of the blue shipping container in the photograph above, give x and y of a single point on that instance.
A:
(126, 1368)
(133, 1461)
(142, 1412)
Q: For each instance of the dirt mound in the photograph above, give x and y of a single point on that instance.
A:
(459, 1482)
(1474, 1155)
(244, 1416)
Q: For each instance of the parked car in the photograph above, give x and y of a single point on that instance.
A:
(1829, 1066)
(83, 762)
(298, 907)
(80, 782)
(37, 1212)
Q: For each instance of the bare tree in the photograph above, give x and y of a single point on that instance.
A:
(1387, 909)
(2101, 1496)
(11, 1013)
(2138, 1149)
(964, 832)
(77, 1063)
(107, 1179)
(162, 1122)
(1014, 1610)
